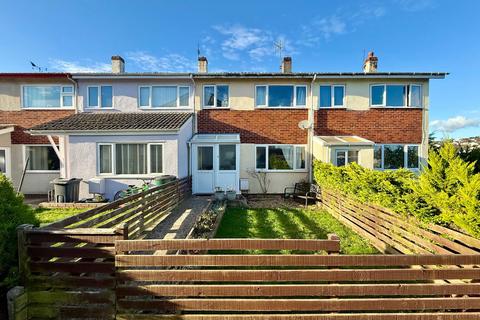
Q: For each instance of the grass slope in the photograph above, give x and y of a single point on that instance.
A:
(45, 215)
(290, 224)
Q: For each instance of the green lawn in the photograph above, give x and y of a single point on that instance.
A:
(290, 224)
(46, 215)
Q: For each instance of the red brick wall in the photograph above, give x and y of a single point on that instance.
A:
(26, 119)
(256, 126)
(378, 125)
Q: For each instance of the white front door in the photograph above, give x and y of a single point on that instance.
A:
(216, 166)
(5, 164)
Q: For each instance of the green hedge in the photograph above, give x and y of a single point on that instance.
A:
(446, 192)
(13, 212)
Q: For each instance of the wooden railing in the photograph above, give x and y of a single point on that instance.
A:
(307, 286)
(393, 233)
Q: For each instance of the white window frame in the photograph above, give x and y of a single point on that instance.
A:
(407, 103)
(24, 155)
(114, 174)
(62, 94)
(294, 106)
(267, 169)
(405, 155)
(99, 97)
(332, 95)
(178, 106)
(204, 106)
(345, 151)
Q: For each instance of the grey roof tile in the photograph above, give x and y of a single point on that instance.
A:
(143, 121)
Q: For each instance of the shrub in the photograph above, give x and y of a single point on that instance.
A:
(446, 192)
(13, 212)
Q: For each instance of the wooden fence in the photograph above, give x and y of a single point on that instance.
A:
(393, 233)
(141, 211)
(153, 285)
(67, 267)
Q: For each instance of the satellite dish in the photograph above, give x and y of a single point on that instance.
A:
(304, 124)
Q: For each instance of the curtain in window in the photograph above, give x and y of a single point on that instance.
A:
(164, 97)
(41, 96)
(144, 96)
(261, 96)
(280, 157)
(416, 96)
(184, 93)
(300, 157)
(106, 159)
(156, 160)
(131, 159)
(301, 96)
(42, 158)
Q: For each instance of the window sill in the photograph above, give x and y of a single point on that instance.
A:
(98, 108)
(329, 108)
(282, 171)
(47, 108)
(129, 176)
(42, 171)
(277, 108)
(388, 107)
(215, 108)
(166, 109)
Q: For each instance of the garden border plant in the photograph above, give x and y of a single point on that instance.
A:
(446, 192)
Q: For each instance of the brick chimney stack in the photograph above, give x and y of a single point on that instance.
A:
(118, 64)
(371, 63)
(202, 64)
(286, 65)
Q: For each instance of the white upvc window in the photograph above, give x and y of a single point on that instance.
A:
(100, 97)
(345, 156)
(280, 96)
(280, 157)
(130, 159)
(40, 158)
(164, 96)
(396, 95)
(47, 96)
(331, 95)
(396, 156)
(216, 96)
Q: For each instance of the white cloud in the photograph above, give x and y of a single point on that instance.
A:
(171, 62)
(256, 43)
(75, 66)
(330, 26)
(454, 124)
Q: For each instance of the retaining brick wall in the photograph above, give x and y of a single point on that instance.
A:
(26, 119)
(378, 125)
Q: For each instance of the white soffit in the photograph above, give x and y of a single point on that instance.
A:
(216, 138)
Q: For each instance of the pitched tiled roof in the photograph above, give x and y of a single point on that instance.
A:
(144, 121)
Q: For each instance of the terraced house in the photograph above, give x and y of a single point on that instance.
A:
(226, 128)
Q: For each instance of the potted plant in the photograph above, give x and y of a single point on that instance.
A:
(219, 194)
(231, 194)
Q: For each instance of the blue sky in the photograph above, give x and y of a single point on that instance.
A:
(406, 35)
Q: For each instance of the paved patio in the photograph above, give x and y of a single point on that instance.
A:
(178, 224)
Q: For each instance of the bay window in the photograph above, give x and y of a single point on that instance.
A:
(280, 96)
(100, 97)
(280, 157)
(163, 96)
(47, 96)
(332, 96)
(395, 156)
(396, 95)
(130, 158)
(216, 96)
(41, 158)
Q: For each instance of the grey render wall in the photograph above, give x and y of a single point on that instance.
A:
(82, 158)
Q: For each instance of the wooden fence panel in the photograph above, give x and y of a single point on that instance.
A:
(394, 233)
(70, 273)
(331, 286)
